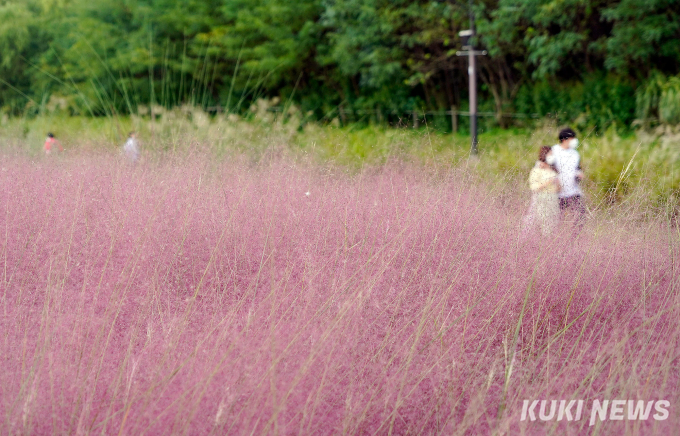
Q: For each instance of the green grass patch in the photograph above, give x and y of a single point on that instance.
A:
(619, 169)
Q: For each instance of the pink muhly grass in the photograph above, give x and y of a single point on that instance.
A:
(282, 298)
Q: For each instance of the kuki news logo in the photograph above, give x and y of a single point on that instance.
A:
(612, 410)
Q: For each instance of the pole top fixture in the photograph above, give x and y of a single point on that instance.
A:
(467, 52)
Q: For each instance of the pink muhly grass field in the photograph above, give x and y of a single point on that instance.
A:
(194, 297)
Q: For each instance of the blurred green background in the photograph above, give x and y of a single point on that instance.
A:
(591, 63)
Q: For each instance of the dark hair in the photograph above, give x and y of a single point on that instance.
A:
(50, 135)
(566, 134)
(543, 152)
(131, 133)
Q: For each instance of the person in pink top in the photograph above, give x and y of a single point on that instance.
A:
(50, 143)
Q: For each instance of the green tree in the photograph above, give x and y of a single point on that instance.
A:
(644, 36)
(583, 58)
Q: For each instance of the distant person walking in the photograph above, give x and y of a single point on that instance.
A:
(544, 184)
(131, 148)
(50, 143)
(568, 165)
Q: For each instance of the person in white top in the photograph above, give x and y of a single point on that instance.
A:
(131, 148)
(568, 166)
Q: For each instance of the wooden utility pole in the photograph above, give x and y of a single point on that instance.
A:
(470, 52)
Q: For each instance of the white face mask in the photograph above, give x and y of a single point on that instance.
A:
(573, 143)
(550, 159)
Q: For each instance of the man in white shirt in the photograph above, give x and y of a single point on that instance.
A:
(568, 165)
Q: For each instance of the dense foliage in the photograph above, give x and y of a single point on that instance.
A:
(579, 60)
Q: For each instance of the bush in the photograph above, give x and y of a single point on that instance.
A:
(598, 102)
(658, 100)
